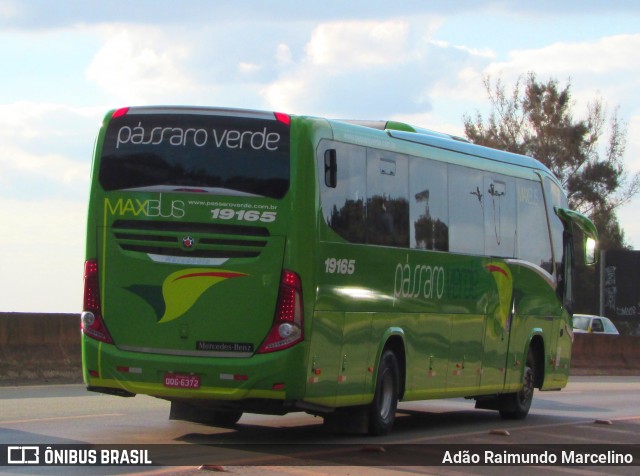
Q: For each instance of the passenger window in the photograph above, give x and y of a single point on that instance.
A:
(343, 205)
(533, 232)
(499, 216)
(429, 208)
(467, 209)
(387, 199)
(555, 198)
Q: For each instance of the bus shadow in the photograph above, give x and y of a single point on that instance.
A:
(410, 424)
(407, 423)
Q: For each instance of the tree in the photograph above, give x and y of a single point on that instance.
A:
(537, 121)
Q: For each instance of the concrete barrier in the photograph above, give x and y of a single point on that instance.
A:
(595, 354)
(39, 348)
(45, 348)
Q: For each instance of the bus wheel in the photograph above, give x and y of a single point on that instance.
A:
(198, 414)
(382, 411)
(225, 418)
(515, 406)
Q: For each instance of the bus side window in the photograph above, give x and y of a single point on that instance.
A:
(428, 206)
(387, 199)
(555, 198)
(534, 242)
(467, 210)
(565, 287)
(330, 168)
(343, 189)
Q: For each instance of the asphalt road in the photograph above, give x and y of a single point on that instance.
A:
(591, 411)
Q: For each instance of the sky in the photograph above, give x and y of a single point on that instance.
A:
(65, 63)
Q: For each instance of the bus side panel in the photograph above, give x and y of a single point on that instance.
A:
(324, 358)
(341, 359)
(357, 360)
(465, 356)
(428, 356)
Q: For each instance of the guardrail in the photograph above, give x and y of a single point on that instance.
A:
(45, 348)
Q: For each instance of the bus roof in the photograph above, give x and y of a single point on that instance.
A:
(418, 135)
(392, 129)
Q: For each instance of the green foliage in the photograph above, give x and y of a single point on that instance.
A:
(537, 121)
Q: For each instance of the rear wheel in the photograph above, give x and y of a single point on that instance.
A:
(515, 406)
(201, 414)
(225, 418)
(382, 411)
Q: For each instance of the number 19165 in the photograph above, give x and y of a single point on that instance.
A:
(339, 266)
(243, 215)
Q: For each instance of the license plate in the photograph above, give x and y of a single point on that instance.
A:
(172, 380)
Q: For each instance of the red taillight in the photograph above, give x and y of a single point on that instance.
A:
(120, 112)
(286, 330)
(282, 117)
(91, 321)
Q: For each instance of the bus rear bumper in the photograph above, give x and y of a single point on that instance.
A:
(272, 376)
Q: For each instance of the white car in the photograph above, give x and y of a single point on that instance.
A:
(583, 323)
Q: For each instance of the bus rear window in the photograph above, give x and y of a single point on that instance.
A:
(196, 152)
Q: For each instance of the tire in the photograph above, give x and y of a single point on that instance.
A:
(515, 406)
(198, 414)
(225, 418)
(382, 411)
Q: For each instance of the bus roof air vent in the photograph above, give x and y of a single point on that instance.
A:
(404, 127)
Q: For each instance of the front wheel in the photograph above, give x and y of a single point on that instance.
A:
(382, 411)
(515, 406)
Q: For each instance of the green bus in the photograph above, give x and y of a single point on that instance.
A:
(250, 261)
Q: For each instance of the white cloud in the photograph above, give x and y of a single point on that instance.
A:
(466, 85)
(356, 68)
(248, 68)
(283, 54)
(139, 63)
(9, 10)
(17, 163)
(602, 56)
(45, 145)
(358, 43)
(42, 251)
(485, 52)
(31, 120)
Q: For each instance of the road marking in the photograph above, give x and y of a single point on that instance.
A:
(73, 417)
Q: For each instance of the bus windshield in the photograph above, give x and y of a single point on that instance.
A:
(196, 153)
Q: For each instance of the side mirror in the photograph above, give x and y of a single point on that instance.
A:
(590, 251)
(570, 217)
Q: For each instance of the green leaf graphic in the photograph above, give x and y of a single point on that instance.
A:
(183, 288)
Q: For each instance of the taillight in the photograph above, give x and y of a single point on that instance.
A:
(91, 320)
(282, 117)
(286, 330)
(120, 112)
